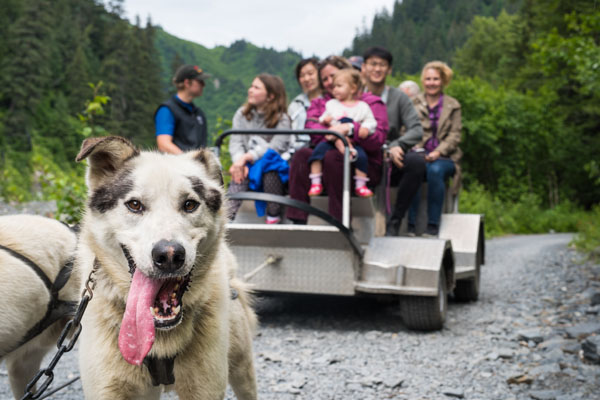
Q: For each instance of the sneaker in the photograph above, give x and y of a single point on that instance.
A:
(272, 220)
(315, 189)
(363, 191)
(412, 230)
(431, 231)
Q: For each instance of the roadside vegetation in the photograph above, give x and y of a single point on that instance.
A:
(527, 76)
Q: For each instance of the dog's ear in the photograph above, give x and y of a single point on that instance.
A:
(106, 155)
(211, 163)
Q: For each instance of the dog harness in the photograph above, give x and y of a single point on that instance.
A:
(57, 308)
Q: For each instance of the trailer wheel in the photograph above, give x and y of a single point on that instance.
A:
(468, 289)
(425, 313)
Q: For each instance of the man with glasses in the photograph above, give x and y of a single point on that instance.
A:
(408, 168)
(180, 125)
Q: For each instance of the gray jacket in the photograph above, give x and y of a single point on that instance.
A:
(257, 145)
(402, 114)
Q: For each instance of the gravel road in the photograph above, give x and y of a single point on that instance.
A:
(522, 340)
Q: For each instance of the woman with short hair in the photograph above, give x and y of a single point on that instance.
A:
(440, 116)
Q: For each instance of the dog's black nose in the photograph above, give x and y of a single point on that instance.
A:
(168, 256)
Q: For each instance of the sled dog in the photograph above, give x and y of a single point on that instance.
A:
(38, 292)
(167, 312)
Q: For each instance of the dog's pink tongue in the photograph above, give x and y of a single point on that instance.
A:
(137, 328)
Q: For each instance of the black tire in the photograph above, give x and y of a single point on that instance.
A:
(468, 289)
(425, 313)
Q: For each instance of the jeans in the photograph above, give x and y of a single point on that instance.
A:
(438, 172)
(318, 154)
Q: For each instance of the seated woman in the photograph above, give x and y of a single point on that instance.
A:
(306, 75)
(441, 120)
(300, 182)
(256, 158)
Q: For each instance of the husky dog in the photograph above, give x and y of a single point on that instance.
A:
(167, 312)
(38, 291)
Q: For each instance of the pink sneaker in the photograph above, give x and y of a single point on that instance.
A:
(363, 192)
(272, 220)
(315, 189)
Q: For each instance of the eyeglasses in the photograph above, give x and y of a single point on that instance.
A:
(374, 64)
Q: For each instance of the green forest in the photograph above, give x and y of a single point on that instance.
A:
(527, 74)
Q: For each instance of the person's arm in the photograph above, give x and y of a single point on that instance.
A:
(410, 119)
(281, 143)
(166, 145)
(368, 124)
(449, 143)
(374, 142)
(316, 109)
(237, 147)
(164, 123)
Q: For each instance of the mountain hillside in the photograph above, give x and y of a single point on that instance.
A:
(232, 69)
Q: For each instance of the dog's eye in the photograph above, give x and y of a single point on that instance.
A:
(190, 206)
(135, 206)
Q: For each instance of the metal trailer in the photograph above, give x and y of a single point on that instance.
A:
(349, 258)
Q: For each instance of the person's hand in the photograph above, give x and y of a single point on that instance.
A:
(342, 129)
(327, 120)
(431, 157)
(330, 138)
(397, 156)
(239, 170)
(363, 132)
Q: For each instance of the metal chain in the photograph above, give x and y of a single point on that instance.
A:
(73, 329)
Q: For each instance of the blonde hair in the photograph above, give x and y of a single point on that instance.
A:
(352, 76)
(442, 68)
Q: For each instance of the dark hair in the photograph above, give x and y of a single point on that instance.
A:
(275, 108)
(378, 51)
(335, 61)
(312, 60)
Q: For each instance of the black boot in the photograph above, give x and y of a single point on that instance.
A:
(392, 228)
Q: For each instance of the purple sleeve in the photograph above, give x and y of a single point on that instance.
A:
(373, 143)
(316, 109)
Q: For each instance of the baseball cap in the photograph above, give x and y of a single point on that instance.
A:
(188, 71)
(356, 61)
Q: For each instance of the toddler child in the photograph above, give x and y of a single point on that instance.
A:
(344, 108)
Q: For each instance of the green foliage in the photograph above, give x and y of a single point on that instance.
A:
(498, 42)
(419, 31)
(525, 216)
(588, 236)
(224, 157)
(232, 69)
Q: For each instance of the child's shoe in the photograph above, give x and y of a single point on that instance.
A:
(273, 220)
(315, 189)
(363, 191)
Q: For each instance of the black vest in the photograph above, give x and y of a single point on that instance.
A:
(190, 126)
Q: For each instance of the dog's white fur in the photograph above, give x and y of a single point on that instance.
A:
(24, 297)
(212, 344)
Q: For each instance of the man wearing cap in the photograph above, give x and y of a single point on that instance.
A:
(408, 169)
(180, 125)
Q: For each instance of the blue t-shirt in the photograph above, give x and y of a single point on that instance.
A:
(164, 121)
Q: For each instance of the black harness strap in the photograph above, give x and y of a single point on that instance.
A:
(33, 266)
(161, 370)
(57, 309)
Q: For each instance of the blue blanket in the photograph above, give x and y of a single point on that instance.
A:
(270, 161)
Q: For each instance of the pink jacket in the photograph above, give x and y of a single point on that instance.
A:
(371, 144)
